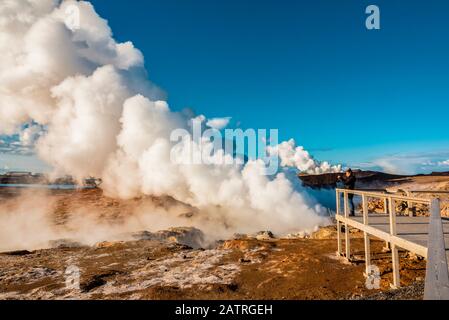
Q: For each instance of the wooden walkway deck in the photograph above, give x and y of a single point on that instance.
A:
(425, 236)
(412, 229)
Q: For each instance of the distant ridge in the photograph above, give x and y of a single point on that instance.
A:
(329, 180)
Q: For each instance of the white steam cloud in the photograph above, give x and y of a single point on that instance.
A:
(296, 157)
(90, 111)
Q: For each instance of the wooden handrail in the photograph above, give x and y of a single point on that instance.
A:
(384, 196)
(437, 274)
(430, 191)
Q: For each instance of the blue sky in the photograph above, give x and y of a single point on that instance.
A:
(374, 99)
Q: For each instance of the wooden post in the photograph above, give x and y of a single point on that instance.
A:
(347, 239)
(366, 236)
(339, 250)
(394, 249)
(409, 204)
(338, 201)
(387, 244)
(392, 213)
(346, 204)
(437, 277)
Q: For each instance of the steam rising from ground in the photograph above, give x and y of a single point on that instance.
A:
(297, 157)
(35, 219)
(91, 111)
(42, 219)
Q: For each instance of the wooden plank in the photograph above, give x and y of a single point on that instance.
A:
(366, 235)
(396, 266)
(387, 247)
(365, 210)
(392, 215)
(367, 252)
(339, 249)
(437, 277)
(394, 249)
(431, 191)
(386, 195)
(339, 235)
(346, 204)
(347, 239)
(337, 210)
(437, 273)
(386, 236)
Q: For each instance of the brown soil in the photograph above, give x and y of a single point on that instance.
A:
(163, 269)
(238, 269)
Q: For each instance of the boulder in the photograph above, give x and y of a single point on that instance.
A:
(264, 235)
(297, 235)
(143, 235)
(413, 256)
(108, 244)
(188, 236)
(64, 243)
(329, 232)
(239, 236)
(242, 245)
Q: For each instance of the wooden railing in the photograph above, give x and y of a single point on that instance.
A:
(391, 237)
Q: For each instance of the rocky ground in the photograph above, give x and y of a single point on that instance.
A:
(413, 186)
(165, 268)
(176, 263)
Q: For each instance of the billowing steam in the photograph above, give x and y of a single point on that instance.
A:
(90, 111)
(297, 157)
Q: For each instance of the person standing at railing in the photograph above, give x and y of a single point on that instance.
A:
(349, 180)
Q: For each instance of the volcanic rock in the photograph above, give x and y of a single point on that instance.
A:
(264, 235)
(329, 232)
(188, 236)
(108, 244)
(64, 243)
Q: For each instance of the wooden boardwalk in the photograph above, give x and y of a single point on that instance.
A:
(412, 229)
(426, 236)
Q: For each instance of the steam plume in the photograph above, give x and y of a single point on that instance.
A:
(91, 111)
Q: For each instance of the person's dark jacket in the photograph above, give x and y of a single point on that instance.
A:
(349, 182)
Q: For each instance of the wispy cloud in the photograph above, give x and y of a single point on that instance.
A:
(11, 146)
(409, 163)
(444, 163)
(22, 143)
(218, 123)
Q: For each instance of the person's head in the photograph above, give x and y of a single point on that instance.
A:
(348, 172)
